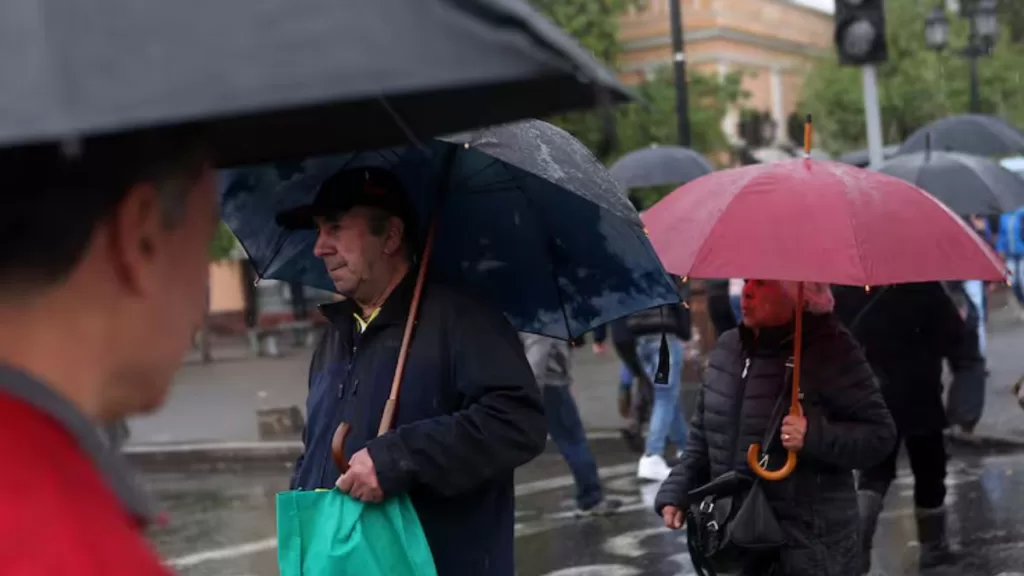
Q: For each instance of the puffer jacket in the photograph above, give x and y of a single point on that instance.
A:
(848, 427)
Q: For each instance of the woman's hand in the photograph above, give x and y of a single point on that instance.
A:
(794, 428)
(673, 517)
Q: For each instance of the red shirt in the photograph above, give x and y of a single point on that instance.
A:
(58, 514)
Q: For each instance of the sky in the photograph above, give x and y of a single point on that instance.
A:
(826, 5)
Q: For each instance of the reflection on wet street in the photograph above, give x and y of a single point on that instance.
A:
(222, 523)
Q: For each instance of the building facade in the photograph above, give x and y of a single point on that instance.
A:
(773, 42)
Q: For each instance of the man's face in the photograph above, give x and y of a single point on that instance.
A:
(764, 304)
(350, 250)
(166, 273)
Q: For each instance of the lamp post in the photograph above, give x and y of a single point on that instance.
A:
(679, 70)
(984, 27)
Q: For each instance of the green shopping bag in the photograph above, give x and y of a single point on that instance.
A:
(327, 532)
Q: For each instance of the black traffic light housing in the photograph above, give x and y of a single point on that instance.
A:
(860, 32)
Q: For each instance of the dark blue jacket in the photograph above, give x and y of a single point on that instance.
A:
(469, 412)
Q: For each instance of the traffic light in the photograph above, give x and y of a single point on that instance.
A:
(860, 32)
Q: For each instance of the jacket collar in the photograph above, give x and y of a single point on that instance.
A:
(778, 340)
(109, 462)
(395, 309)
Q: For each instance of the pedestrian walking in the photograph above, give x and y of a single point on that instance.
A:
(551, 362)
(845, 426)
(907, 330)
(660, 335)
(470, 411)
(103, 281)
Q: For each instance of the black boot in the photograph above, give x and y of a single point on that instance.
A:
(931, 533)
(869, 503)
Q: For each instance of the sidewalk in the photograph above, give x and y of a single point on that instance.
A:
(217, 402)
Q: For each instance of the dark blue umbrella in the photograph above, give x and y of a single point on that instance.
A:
(528, 218)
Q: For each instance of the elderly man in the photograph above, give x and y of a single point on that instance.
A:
(469, 412)
(103, 269)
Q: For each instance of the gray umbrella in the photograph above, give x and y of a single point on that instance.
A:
(278, 79)
(968, 185)
(976, 134)
(660, 166)
(860, 157)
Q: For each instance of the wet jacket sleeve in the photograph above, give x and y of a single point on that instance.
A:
(693, 469)
(948, 330)
(848, 425)
(502, 423)
(625, 347)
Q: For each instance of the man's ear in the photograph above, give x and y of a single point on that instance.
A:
(134, 230)
(395, 235)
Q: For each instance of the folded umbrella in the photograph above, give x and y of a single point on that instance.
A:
(275, 79)
(977, 134)
(660, 166)
(968, 185)
(528, 218)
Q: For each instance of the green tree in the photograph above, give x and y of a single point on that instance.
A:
(595, 24)
(223, 243)
(916, 85)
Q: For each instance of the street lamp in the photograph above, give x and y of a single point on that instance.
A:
(984, 27)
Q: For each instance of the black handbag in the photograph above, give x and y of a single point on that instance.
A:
(730, 521)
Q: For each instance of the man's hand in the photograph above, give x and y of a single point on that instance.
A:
(794, 428)
(360, 482)
(598, 348)
(673, 517)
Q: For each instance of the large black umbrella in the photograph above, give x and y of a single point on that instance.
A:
(276, 79)
(976, 134)
(861, 157)
(968, 185)
(660, 166)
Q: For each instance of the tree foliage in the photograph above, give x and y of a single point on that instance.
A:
(652, 120)
(916, 85)
(223, 243)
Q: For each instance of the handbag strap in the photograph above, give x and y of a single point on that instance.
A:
(778, 412)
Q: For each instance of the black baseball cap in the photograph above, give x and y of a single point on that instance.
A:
(348, 188)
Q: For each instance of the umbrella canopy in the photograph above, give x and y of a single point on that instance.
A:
(975, 134)
(861, 157)
(816, 221)
(529, 219)
(660, 166)
(270, 80)
(968, 185)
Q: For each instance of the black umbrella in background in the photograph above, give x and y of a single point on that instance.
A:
(660, 166)
(270, 80)
(861, 157)
(976, 134)
(968, 185)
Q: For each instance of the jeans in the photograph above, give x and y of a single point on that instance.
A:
(1013, 264)
(625, 378)
(566, 430)
(666, 417)
(975, 290)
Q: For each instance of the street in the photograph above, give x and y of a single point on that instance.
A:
(222, 523)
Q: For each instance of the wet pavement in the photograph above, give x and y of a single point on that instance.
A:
(222, 523)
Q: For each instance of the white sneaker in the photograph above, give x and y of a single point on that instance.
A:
(653, 468)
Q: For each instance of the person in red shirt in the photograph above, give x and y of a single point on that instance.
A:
(103, 279)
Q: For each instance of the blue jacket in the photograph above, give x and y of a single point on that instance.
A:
(1009, 242)
(469, 412)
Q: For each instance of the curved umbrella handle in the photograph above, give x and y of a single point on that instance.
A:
(338, 447)
(766, 474)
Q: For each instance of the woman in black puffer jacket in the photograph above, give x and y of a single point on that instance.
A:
(846, 427)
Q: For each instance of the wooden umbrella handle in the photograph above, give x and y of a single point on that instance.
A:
(338, 447)
(754, 450)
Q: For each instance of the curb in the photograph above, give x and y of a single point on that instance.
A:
(218, 454)
(985, 440)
